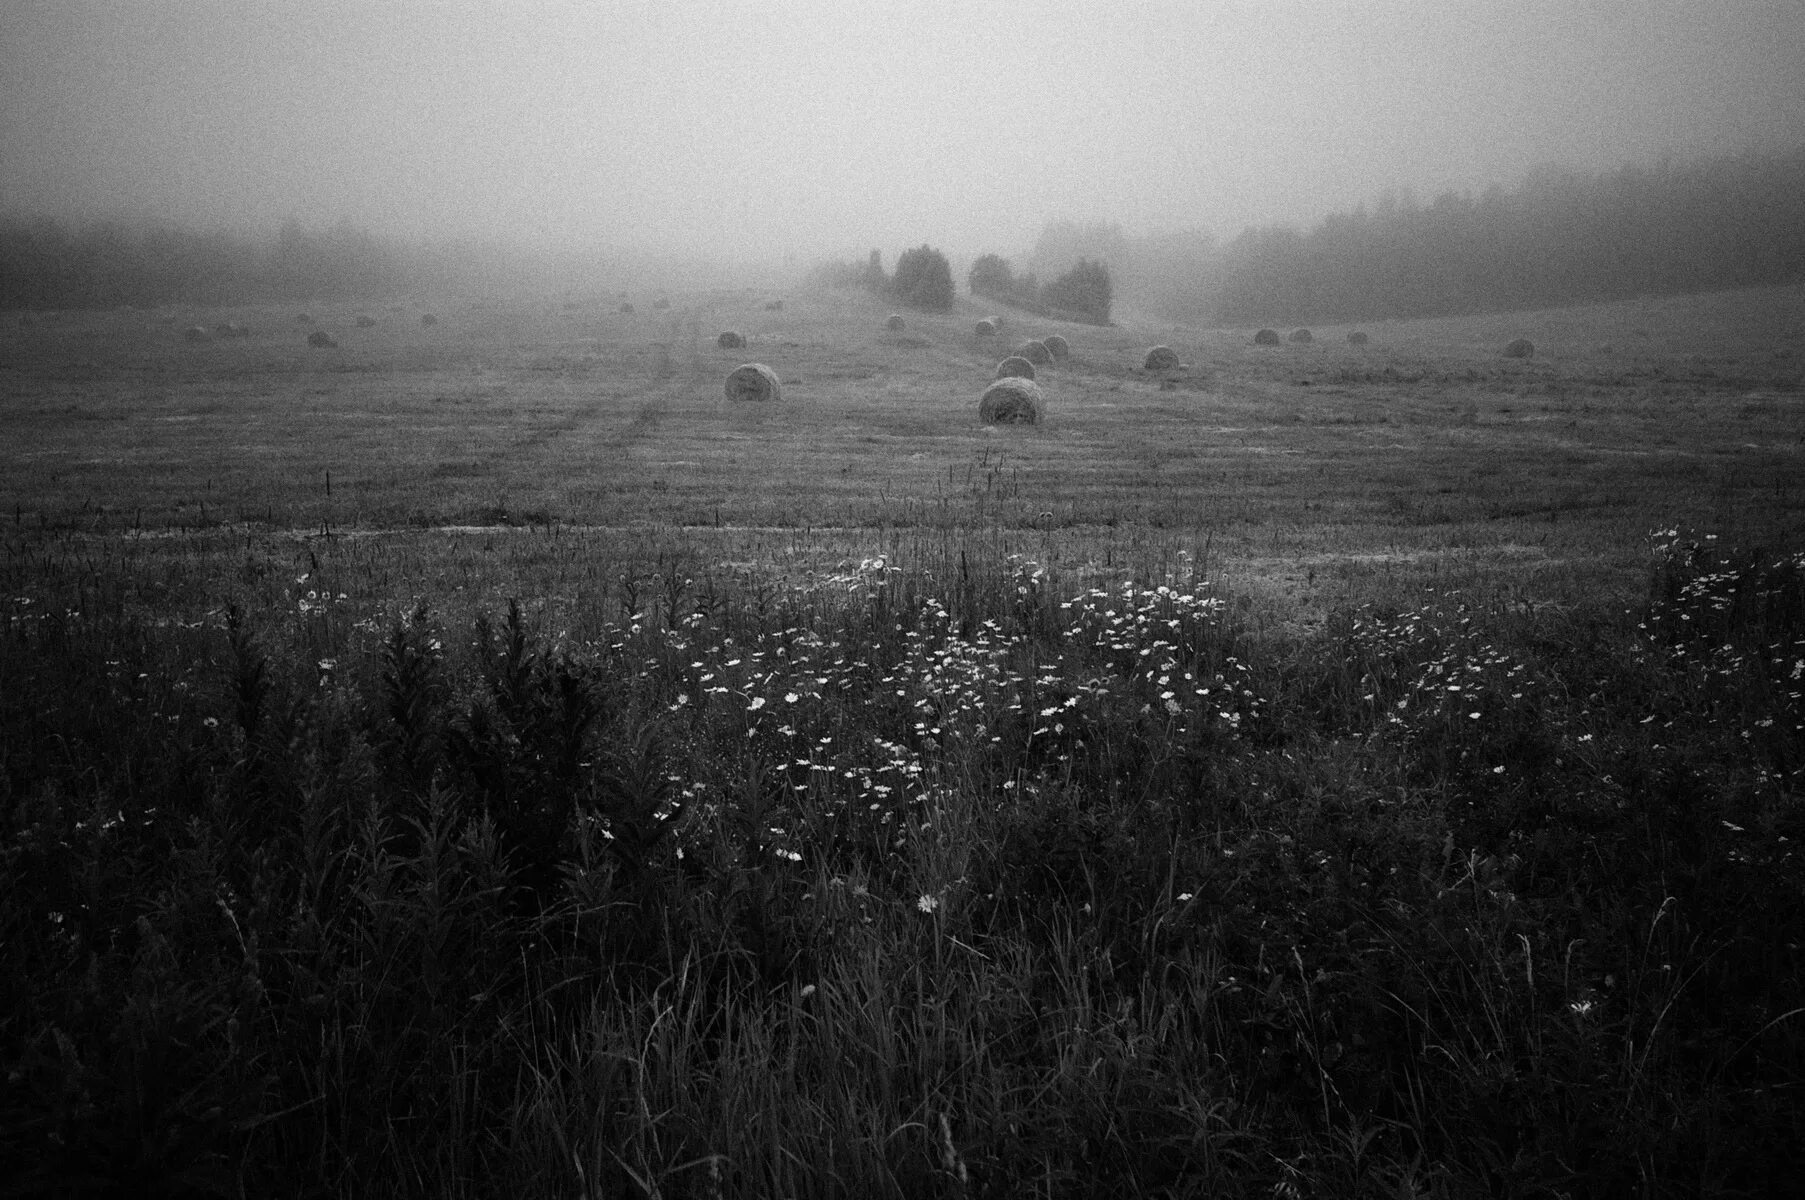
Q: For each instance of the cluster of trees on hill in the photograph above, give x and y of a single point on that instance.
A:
(1160, 272)
(993, 277)
(1086, 289)
(869, 274)
(1083, 292)
(923, 277)
(1560, 237)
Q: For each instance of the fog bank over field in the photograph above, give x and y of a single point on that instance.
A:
(766, 130)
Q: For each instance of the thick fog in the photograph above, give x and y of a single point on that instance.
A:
(771, 128)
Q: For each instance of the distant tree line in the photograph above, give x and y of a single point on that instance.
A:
(45, 264)
(1560, 237)
(1083, 292)
(923, 277)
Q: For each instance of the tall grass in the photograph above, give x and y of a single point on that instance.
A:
(933, 874)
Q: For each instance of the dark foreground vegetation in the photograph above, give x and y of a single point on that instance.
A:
(939, 878)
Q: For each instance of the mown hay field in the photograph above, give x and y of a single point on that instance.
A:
(1305, 470)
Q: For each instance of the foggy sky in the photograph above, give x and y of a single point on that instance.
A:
(754, 128)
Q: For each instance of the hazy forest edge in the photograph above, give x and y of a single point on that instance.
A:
(1559, 237)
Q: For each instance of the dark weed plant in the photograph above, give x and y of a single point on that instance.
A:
(1730, 624)
(947, 879)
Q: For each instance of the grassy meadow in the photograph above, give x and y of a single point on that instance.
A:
(480, 758)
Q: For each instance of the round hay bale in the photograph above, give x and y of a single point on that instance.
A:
(305, 318)
(626, 309)
(1266, 337)
(753, 381)
(1057, 346)
(365, 321)
(661, 303)
(1301, 336)
(428, 319)
(1356, 338)
(320, 339)
(774, 306)
(1015, 367)
(1521, 348)
(730, 340)
(197, 333)
(1011, 401)
(996, 322)
(894, 323)
(1161, 358)
(1035, 352)
(985, 328)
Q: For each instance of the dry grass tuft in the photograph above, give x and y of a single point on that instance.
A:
(1011, 401)
(1015, 367)
(753, 381)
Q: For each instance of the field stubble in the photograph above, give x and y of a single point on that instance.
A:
(1419, 453)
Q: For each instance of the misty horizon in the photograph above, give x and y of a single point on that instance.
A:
(742, 132)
